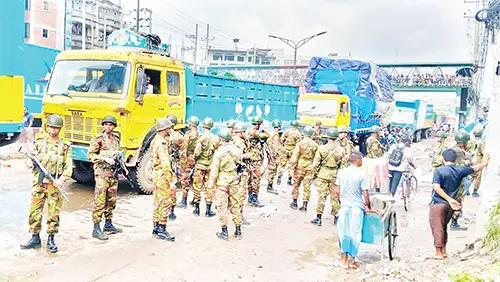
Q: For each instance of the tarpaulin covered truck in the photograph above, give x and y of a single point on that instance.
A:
(343, 92)
(86, 85)
(417, 115)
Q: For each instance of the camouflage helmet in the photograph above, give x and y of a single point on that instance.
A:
(478, 132)
(441, 134)
(172, 118)
(239, 127)
(207, 123)
(193, 120)
(257, 120)
(225, 134)
(230, 123)
(375, 129)
(110, 119)
(332, 133)
(294, 123)
(276, 123)
(54, 121)
(162, 124)
(307, 131)
(462, 137)
(343, 129)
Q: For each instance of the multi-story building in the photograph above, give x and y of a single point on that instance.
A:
(239, 57)
(43, 22)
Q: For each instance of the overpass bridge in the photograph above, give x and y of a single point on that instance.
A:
(408, 79)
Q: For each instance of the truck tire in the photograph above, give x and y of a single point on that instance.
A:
(83, 172)
(141, 176)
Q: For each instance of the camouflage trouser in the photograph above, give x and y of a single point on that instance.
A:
(106, 189)
(255, 178)
(243, 188)
(227, 201)
(186, 184)
(460, 197)
(326, 187)
(302, 176)
(276, 167)
(200, 177)
(284, 158)
(39, 195)
(476, 180)
(163, 200)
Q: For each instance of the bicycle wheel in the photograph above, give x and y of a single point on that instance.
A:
(411, 188)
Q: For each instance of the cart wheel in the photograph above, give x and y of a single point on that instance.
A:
(392, 234)
(412, 188)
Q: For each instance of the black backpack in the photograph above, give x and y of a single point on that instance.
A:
(396, 156)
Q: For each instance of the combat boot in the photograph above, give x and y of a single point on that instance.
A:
(223, 234)
(51, 245)
(255, 202)
(271, 190)
(183, 203)
(250, 197)
(293, 204)
(304, 206)
(155, 228)
(317, 220)
(163, 234)
(110, 228)
(172, 215)
(192, 203)
(196, 211)
(278, 181)
(475, 194)
(237, 232)
(33, 243)
(290, 180)
(455, 226)
(209, 212)
(98, 234)
(244, 221)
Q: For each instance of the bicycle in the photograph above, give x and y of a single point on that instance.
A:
(409, 186)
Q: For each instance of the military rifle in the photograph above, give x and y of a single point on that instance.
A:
(43, 172)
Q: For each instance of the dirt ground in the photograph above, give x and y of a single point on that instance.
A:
(279, 245)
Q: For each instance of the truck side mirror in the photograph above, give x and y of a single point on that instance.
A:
(140, 85)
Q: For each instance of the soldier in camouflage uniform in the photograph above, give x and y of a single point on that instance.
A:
(277, 157)
(346, 144)
(478, 148)
(303, 171)
(55, 155)
(437, 159)
(164, 179)
(375, 150)
(240, 140)
(316, 137)
(190, 139)
(224, 178)
(204, 151)
(289, 139)
(176, 150)
(230, 125)
(464, 158)
(102, 152)
(256, 136)
(327, 162)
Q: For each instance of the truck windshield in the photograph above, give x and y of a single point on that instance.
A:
(317, 108)
(74, 76)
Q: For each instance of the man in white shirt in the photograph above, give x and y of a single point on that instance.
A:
(400, 158)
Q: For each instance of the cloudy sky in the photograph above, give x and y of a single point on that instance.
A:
(381, 31)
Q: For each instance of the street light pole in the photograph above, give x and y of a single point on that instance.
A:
(296, 46)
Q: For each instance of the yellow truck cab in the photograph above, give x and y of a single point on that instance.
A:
(332, 109)
(137, 81)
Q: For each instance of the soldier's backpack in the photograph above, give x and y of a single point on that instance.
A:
(396, 156)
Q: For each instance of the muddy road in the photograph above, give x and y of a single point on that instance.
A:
(279, 245)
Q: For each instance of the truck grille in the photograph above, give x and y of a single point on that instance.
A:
(81, 129)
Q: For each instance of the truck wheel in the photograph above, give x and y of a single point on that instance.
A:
(83, 172)
(142, 175)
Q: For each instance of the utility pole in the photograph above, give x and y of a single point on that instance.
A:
(194, 39)
(84, 25)
(150, 20)
(138, 15)
(207, 39)
(104, 30)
